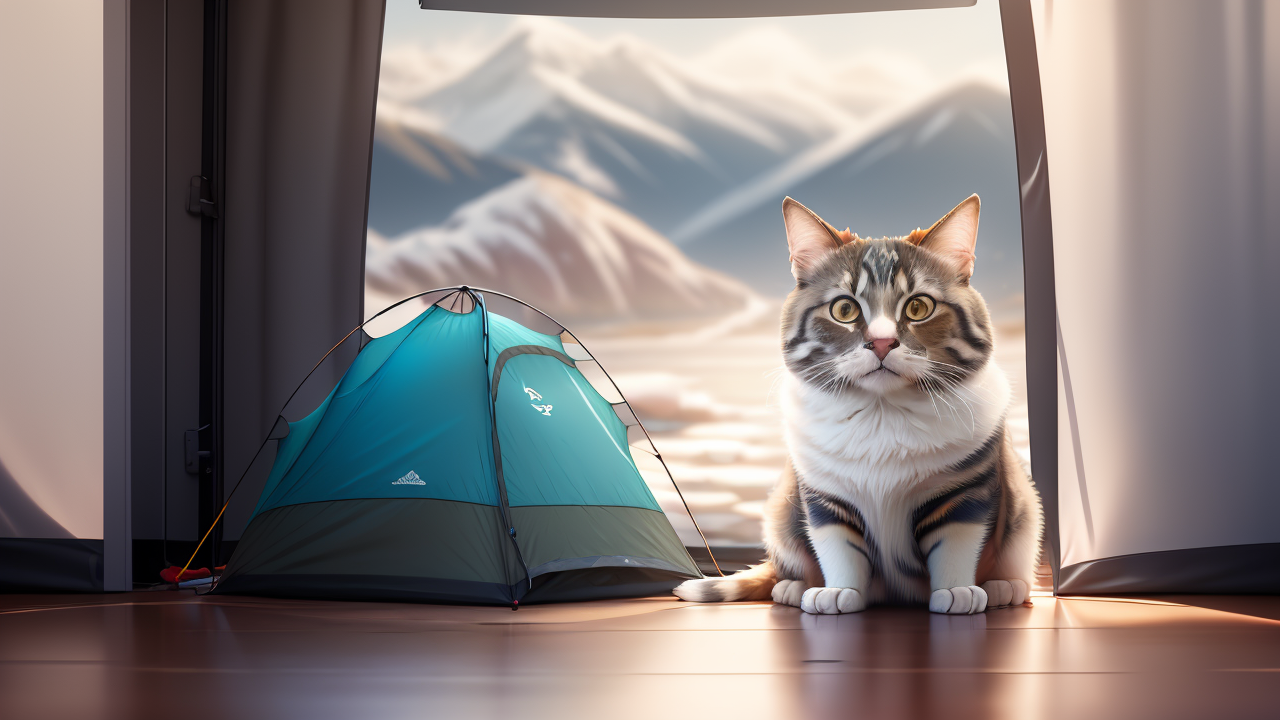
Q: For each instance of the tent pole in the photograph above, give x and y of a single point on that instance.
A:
(505, 509)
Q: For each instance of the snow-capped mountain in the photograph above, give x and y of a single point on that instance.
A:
(419, 177)
(561, 248)
(656, 136)
(913, 164)
(409, 72)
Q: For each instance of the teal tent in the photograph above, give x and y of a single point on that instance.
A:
(462, 458)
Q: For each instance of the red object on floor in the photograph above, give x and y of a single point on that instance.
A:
(170, 574)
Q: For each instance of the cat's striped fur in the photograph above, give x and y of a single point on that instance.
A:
(902, 485)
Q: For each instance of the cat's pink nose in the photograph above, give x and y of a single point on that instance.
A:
(882, 346)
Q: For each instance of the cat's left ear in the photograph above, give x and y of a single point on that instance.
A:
(955, 236)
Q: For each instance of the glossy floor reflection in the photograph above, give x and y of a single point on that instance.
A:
(146, 655)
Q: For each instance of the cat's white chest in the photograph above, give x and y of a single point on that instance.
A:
(883, 447)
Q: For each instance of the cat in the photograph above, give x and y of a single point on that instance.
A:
(902, 485)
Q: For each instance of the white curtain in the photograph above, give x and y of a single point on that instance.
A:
(1163, 136)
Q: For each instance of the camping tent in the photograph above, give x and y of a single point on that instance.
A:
(461, 458)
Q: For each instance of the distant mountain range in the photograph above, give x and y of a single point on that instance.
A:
(701, 152)
(420, 177)
(559, 247)
(903, 171)
(656, 136)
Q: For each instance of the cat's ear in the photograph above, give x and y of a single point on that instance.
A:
(955, 236)
(809, 237)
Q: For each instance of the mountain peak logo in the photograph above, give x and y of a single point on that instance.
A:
(410, 478)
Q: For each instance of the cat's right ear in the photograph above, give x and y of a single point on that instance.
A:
(809, 237)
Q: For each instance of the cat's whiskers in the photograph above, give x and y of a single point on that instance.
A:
(973, 418)
(777, 375)
(952, 383)
(947, 370)
(932, 384)
(925, 385)
(940, 379)
(956, 387)
(823, 371)
(942, 396)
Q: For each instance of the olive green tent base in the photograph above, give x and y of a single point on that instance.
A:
(449, 551)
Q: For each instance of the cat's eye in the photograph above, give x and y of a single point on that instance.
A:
(919, 307)
(844, 309)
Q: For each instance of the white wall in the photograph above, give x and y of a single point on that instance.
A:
(51, 257)
(1163, 133)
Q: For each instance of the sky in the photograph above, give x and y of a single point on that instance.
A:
(944, 41)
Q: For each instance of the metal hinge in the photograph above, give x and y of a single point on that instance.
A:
(192, 453)
(200, 198)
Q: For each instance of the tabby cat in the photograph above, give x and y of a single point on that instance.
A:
(902, 485)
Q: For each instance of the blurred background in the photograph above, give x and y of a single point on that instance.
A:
(625, 176)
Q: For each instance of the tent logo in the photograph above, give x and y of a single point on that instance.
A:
(410, 479)
(535, 395)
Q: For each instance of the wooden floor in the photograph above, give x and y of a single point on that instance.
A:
(171, 655)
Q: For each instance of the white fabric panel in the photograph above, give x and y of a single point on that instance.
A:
(1163, 132)
(51, 251)
(626, 415)
(637, 439)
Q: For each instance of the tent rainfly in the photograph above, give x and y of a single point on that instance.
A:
(462, 458)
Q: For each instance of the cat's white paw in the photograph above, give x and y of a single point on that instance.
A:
(789, 592)
(1001, 593)
(1021, 592)
(832, 601)
(965, 600)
